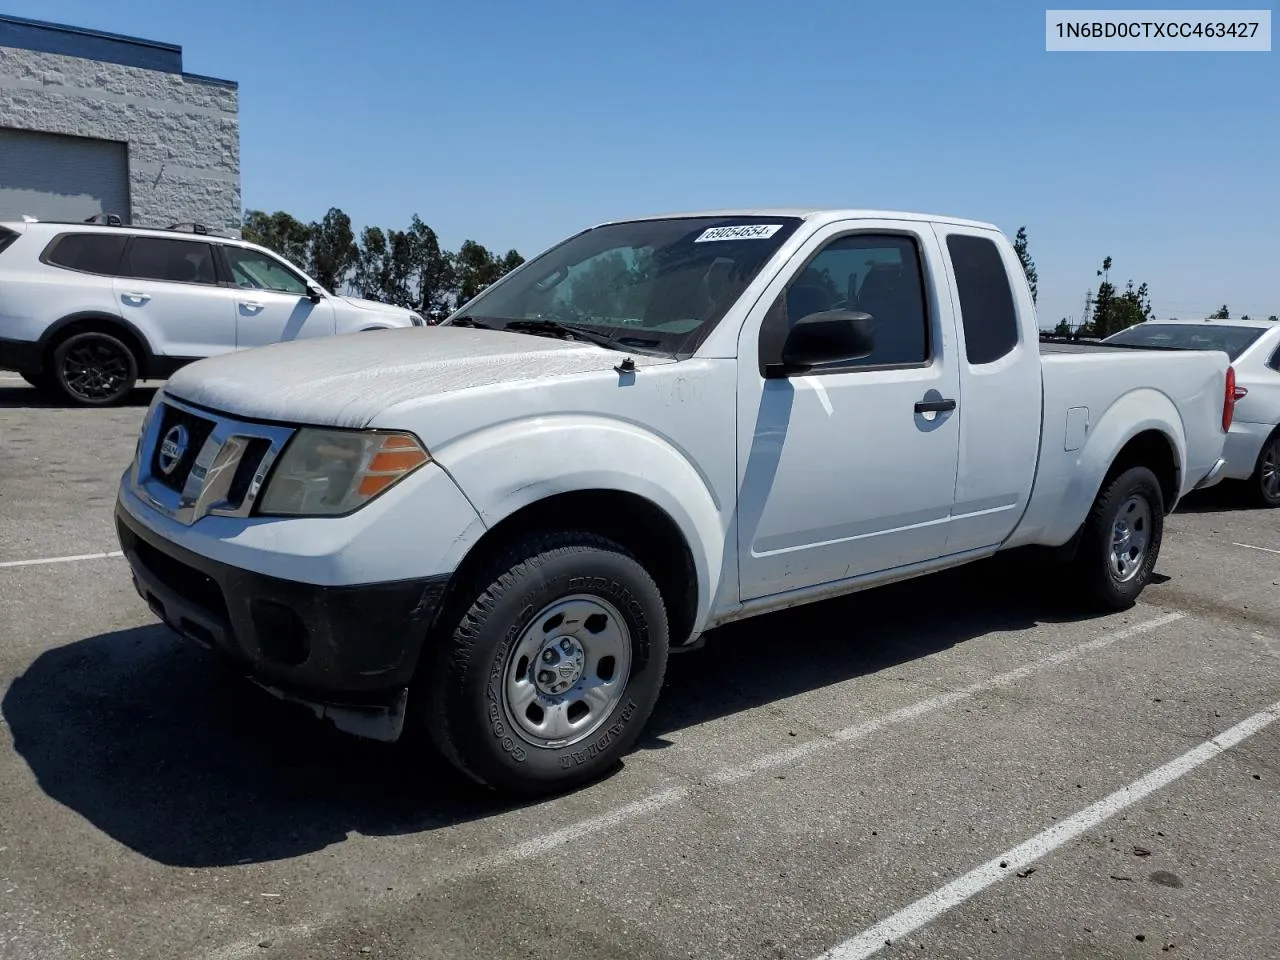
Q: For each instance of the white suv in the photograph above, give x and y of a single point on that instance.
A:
(88, 309)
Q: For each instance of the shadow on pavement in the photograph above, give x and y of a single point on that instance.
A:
(162, 750)
(19, 396)
(1229, 496)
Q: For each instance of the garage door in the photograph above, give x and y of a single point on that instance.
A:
(52, 177)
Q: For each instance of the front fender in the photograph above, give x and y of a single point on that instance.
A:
(504, 468)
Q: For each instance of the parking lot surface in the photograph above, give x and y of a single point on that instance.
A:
(960, 766)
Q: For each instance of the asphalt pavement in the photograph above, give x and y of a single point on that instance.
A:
(963, 766)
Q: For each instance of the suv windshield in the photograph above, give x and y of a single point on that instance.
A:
(1232, 341)
(651, 285)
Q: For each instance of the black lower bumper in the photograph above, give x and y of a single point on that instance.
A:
(335, 649)
(19, 355)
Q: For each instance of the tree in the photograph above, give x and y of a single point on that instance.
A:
(334, 253)
(1272, 318)
(1244, 316)
(1028, 265)
(372, 268)
(279, 231)
(434, 268)
(477, 268)
(1222, 313)
(1114, 312)
(1063, 329)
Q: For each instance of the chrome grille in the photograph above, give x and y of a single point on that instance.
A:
(216, 464)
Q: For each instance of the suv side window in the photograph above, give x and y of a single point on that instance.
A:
(1274, 362)
(879, 274)
(87, 252)
(986, 299)
(251, 270)
(176, 261)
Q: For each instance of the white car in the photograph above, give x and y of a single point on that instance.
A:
(1253, 446)
(497, 528)
(88, 309)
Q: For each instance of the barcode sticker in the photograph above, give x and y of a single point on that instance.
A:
(745, 231)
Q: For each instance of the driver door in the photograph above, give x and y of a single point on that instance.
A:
(272, 304)
(841, 474)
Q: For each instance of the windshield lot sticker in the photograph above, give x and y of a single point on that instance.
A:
(746, 231)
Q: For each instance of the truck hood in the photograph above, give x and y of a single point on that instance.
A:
(347, 380)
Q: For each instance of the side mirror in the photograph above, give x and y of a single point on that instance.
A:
(820, 339)
(314, 293)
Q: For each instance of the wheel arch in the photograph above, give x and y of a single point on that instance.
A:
(96, 321)
(632, 521)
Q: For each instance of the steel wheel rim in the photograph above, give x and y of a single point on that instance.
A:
(1269, 477)
(567, 672)
(1130, 537)
(95, 370)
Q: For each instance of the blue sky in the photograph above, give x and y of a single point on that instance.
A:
(515, 124)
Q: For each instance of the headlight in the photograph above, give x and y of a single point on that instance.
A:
(329, 472)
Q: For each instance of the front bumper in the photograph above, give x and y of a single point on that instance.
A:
(346, 652)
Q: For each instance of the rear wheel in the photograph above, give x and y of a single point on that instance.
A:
(1266, 477)
(553, 668)
(94, 369)
(1121, 540)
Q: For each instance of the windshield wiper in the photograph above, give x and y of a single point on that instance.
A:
(572, 329)
(469, 322)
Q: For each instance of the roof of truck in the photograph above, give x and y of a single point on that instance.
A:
(815, 213)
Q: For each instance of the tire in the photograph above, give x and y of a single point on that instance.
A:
(1265, 482)
(94, 369)
(497, 692)
(1108, 580)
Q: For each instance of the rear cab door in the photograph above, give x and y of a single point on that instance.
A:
(171, 287)
(841, 472)
(272, 303)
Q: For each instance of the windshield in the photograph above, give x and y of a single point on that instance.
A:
(1232, 341)
(657, 285)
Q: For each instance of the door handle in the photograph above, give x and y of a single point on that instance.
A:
(251, 305)
(135, 298)
(934, 406)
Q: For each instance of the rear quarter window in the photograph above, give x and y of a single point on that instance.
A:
(7, 237)
(86, 252)
(986, 299)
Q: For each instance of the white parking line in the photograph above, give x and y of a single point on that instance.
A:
(931, 907)
(1250, 546)
(43, 560)
(545, 843)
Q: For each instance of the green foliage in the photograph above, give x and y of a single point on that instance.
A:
(1222, 313)
(405, 267)
(287, 236)
(1113, 312)
(334, 253)
(1063, 329)
(1028, 265)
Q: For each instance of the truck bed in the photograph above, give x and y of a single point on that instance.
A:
(1047, 347)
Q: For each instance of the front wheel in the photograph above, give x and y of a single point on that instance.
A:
(94, 369)
(553, 669)
(1121, 539)
(1266, 477)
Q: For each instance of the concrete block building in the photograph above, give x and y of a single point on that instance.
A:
(93, 122)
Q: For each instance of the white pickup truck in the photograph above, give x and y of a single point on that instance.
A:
(494, 530)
